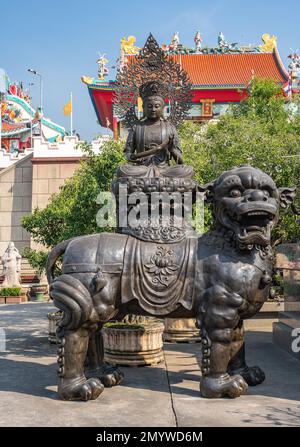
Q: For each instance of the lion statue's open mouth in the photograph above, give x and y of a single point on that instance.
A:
(254, 226)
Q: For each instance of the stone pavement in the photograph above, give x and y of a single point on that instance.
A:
(164, 395)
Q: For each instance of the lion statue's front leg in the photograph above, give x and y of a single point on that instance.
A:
(253, 375)
(218, 316)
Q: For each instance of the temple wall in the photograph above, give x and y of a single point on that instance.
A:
(24, 186)
(15, 202)
(47, 177)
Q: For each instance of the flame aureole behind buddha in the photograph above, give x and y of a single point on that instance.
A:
(152, 64)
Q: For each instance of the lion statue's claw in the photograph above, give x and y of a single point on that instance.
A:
(80, 389)
(253, 375)
(223, 386)
(109, 375)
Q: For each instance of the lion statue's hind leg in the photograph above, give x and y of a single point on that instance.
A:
(72, 297)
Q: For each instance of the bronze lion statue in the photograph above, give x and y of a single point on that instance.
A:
(220, 279)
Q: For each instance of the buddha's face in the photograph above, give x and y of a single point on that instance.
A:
(154, 107)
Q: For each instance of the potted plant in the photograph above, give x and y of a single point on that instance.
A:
(135, 341)
(11, 295)
(181, 330)
(39, 292)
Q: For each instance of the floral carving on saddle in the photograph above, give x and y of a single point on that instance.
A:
(162, 266)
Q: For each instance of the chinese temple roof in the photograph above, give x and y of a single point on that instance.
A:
(12, 129)
(218, 70)
(217, 73)
(13, 122)
(9, 127)
(231, 70)
(18, 115)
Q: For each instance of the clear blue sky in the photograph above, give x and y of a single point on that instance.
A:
(61, 39)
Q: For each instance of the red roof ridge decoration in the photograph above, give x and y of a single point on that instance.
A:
(230, 69)
(7, 127)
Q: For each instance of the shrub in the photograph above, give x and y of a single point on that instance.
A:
(10, 291)
(37, 259)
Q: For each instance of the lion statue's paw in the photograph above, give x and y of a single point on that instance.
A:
(80, 389)
(109, 375)
(223, 386)
(253, 375)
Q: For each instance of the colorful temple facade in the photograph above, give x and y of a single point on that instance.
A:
(220, 75)
(21, 122)
(36, 158)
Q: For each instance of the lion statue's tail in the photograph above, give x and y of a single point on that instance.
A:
(54, 254)
(73, 298)
(68, 293)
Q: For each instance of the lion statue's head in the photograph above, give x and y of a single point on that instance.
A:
(246, 201)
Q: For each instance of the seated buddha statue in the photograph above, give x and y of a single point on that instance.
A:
(153, 141)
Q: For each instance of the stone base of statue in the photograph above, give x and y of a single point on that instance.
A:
(164, 208)
(131, 345)
(182, 330)
(286, 332)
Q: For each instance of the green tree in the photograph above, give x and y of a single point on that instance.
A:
(259, 131)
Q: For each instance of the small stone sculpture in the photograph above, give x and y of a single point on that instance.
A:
(198, 41)
(11, 261)
(102, 67)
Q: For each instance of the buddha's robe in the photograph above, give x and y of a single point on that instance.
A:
(146, 135)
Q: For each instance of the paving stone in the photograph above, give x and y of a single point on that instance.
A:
(159, 396)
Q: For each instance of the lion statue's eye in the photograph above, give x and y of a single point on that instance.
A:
(235, 193)
(266, 192)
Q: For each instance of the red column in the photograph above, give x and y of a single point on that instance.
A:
(115, 128)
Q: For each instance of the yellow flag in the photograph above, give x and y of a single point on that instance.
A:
(68, 108)
(140, 104)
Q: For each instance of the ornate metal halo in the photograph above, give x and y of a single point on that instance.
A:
(152, 64)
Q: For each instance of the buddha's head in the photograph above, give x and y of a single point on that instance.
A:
(153, 100)
(153, 107)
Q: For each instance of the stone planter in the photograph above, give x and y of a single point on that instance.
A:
(181, 330)
(133, 345)
(54, 318)
(39, 292)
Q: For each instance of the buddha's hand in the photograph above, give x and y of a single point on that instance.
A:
(177, 155)
(128, 156)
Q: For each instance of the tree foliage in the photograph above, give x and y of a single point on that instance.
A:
(259, 131)
(72, 212)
